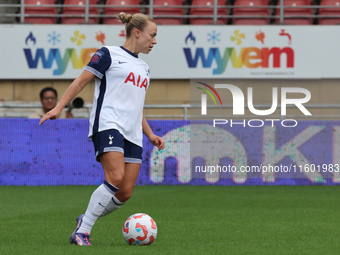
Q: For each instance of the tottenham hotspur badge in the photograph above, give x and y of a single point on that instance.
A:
(110, 137)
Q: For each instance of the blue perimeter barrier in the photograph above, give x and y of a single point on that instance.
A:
(59, 153)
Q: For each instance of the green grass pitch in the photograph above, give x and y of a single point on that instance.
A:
(190, 219)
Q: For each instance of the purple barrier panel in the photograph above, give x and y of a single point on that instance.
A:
(56, 153)
(59, 153)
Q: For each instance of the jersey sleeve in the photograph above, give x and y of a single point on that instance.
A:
(99, 63)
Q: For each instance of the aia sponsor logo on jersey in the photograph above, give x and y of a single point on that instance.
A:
(136, 81)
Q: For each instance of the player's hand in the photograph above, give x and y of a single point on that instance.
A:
(52, 115)
(157, 141)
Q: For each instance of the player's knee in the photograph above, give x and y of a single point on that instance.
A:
(116, 180)
(119, 180)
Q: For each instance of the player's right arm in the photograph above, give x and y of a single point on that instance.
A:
(76, 86)
(99, 63)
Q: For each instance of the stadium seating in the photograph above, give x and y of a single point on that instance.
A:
(207, 11)
(294, 12)
(79, 11)
(38, 10)
(116, 10)
(166, 11)
(251, 12)
(165, 14)
(329, 11)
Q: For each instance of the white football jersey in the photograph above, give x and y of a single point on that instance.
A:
(122, 79)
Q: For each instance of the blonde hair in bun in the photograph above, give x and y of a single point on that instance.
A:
(138, 20)
(124, 18)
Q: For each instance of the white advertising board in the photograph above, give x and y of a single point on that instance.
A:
(182, 52)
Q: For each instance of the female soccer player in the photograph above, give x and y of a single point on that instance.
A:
(117, 122)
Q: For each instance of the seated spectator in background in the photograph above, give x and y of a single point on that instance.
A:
(49, 98)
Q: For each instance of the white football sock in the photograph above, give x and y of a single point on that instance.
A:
(100, 199)
(113, 205)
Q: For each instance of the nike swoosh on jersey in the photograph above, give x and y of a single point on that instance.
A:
(119, 62)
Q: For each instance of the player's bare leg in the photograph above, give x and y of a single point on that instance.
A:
(129, 181)
(113, 164)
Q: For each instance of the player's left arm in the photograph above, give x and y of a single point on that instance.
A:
(154, 139)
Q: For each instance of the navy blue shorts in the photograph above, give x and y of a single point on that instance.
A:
(113, 140)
